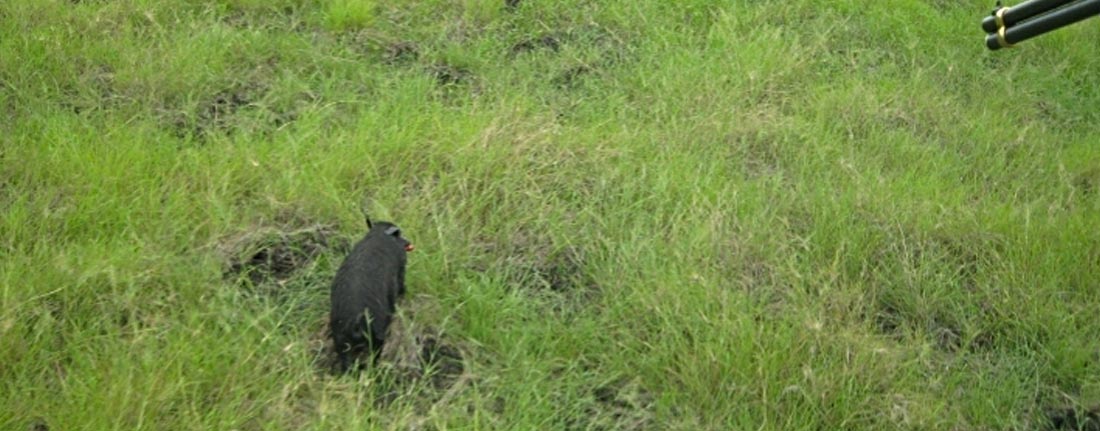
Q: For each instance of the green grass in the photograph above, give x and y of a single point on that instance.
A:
(628, 214)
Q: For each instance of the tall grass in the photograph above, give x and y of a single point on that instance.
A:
(628, 215)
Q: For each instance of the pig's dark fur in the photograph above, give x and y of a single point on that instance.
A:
(365, 293)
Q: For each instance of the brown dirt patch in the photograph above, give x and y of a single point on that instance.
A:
(214, 114)
(529, 260)
(401, 52)
(265, 259)
(38, 424)
(1088, 181)
(420, 359)
(916, 275)
(448, 75)
(1070, 418)
(551, 42)
(571, 76)
(622, 404)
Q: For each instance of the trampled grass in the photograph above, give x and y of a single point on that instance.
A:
(628, 214)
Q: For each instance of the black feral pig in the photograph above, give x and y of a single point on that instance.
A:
(365, 292)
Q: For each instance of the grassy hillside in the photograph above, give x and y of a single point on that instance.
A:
(693, 214)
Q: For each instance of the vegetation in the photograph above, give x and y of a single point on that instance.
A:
(693, 214)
